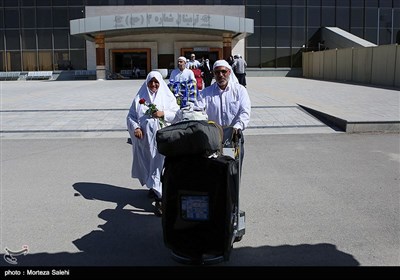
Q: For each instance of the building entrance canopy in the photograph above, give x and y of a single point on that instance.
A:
(238, 27)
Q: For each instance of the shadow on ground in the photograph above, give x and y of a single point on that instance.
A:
(133, 237)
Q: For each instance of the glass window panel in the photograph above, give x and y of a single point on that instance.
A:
(268, 16)
(76, 2)
(396, 4)
(385, 18)
(1, 18)
(343, 3)
(283, 36)
(283, 2)
(283, 15)
(328, 16)
(298, 2)
(254, 13)
(11, 18)
(283, 56)
(1, 40)
(28, 39)
(61, 60)
(29, 61)
(328, 3)
(61, 38)
(12, 42)
(60, 3)
(386, 3)
(298, 16)
(357, 3)
(253, 2)
(10, 3)
(357, 31)
(298, 37)
(254, 39)
(371, 35)
(2, 65)
(314, 16)
(268, 57)
(396, 36)
(76, 12)
(44, 38)
(45, 61)
(297, 59)
(343, 18)
(28, 18)
(43, 17)
(385, 36)
(371, 3)
(371, 17)
(396, 18)
(356, 17)
(27, 2)
(78, 60)
(268, 36)
(313, 2)
(43, 3)
(253, 60)
(13, 61)
(60, 17)
(77, 42)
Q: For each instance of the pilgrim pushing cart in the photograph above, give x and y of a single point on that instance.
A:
(201, 218)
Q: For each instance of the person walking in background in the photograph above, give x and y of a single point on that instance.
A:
(193, 62)
(153, 107)
(239, 68)
(207, 73)
(182, 83)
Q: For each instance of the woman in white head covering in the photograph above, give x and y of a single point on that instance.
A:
(153, 106)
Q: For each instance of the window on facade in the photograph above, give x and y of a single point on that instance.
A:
(2, 66)
(343, 18)
(328, 16)
(296, 57)
(10, 3)
(371, 17)
(298, 16)
(1, 18)
(60, 17)
(298, 2)
(371, 3)
(371, 35)
(75, 2)
(12, 42)
(313, 16)
(268, 16)
(43, 18)
(254, 13)
(44, 38)
(76, 12)
(268, 35)
(283, 36)
(1, 40)
(386, 3)
(356, 17)
(77, 42)
(29, 61)
(28, 18)
(13, 61)
(27, 2)
(11, 18)
(43, 3)
(283, 57)
(28, 39)
(61, 38)
(283, 15)
(298, 37)
(45, 61)
(267, 57)
(62, 60)
(254, 39)
(78, 59)
(343, 3)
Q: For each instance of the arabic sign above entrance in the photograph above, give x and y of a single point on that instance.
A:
(162, 20)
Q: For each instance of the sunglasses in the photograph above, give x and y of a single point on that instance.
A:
(216, 72)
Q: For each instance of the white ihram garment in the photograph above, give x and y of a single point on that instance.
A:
(147, 162)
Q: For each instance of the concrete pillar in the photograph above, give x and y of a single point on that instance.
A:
(100, 57)
(226, 45)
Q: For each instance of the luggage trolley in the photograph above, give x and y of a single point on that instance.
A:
(201, 218)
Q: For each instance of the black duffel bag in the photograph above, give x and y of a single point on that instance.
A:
(190, 138)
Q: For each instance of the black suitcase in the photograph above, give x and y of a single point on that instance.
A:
(199, 207)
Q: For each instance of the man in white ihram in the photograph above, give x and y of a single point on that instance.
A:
(227, 102)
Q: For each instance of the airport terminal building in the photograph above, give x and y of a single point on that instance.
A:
(116, 35)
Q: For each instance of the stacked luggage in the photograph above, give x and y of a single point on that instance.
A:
(201, 218)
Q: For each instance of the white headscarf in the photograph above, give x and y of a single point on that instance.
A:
(224, 63)
(154, 74)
